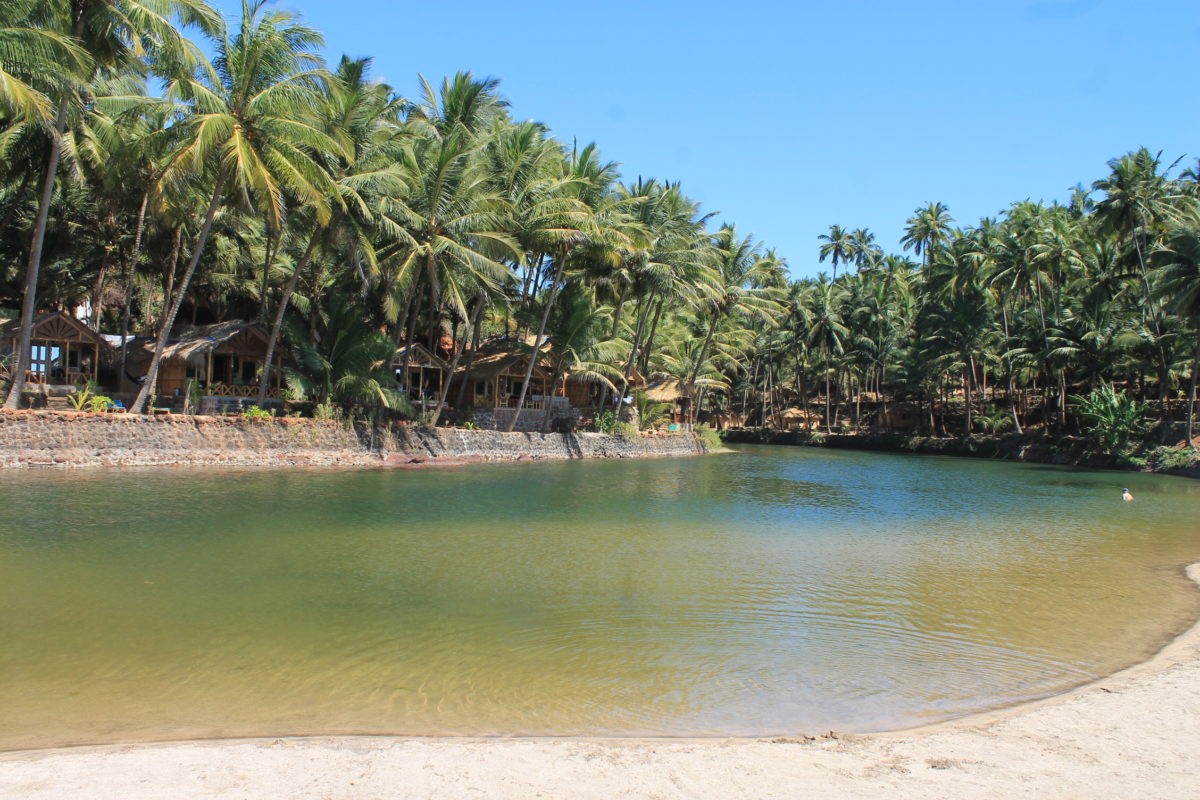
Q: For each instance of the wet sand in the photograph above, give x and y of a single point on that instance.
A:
(1134, 734)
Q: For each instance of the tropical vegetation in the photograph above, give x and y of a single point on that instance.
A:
(148, 184)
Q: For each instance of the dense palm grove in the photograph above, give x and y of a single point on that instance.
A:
(266, 185)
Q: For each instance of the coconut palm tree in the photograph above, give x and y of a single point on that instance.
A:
(255, 131)
(741, 281)
(838, 247)
(1177, 280)
(928, 230)
(827, 331)
(114, 34)
(452, 230)
(1138, 202)
(36, 63)
(363, 117)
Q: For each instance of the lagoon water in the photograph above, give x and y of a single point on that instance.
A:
(771, 591)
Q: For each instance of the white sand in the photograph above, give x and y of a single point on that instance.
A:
(1135, 734)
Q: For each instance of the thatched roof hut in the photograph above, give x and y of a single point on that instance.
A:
(223, 359)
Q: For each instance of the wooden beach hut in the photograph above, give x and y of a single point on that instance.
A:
(495, 382)
(800, 419)
(670, 391)
(419, 372)
(223, 360)
(63, 352)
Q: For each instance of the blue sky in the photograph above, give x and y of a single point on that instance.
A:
(787, 117)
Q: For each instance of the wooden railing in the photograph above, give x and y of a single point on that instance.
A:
(219, 389)
(533, 401)
(215, 389)
(69, 377)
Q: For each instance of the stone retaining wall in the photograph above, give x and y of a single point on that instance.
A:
(71, 439)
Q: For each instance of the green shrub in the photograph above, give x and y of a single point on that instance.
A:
(626, 430)
(326, 412)
(256, 413)
(995, 420)
(99, 403)
(650, 413)
(1110, 418)
(1165, 459)
(708, 437)
(605, 421)
(80, 398)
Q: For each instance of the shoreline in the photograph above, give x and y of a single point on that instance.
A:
(1131, 734)
(1008, 447)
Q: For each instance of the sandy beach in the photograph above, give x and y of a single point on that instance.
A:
(1134, 734)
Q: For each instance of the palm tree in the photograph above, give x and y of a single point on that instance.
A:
(838, 246)
(866, 254)
(362, 116)
(928, 231)
(114, 33)
(827, 331)
(348, 363)
(452, 229)
(36, 63)
(1178, 281)
(1138, 201)
(254, 130)
(742, 282)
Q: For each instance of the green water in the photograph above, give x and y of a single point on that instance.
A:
(771, 591)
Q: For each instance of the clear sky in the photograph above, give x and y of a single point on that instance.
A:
(787, 117)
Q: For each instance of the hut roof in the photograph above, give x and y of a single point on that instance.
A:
(57, 326)
(488, 365)
(418, 356)
(799, 413)
(191, 344)
(665, 391)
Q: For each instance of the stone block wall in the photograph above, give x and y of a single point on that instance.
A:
(54, 438)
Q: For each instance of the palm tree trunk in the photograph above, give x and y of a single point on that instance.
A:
(466, 379)
(828, 425)
(538, 341)
(288, 290)
(169, 284)
(445, 390)
(1191, 420)
(546, 417)
(637, 338)
(648, 347)
(29, 304)
(616, 326)
(130, 274)
(268, 259)
(967, 397)
(161, 343)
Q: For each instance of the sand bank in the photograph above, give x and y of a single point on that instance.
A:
(1135, 734)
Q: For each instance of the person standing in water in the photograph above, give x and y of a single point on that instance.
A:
(1126, 495)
